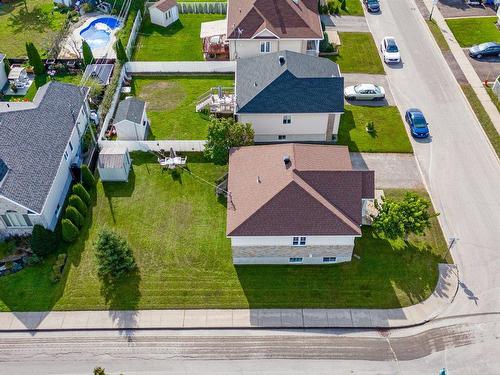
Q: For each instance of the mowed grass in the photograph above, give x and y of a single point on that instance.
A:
(36, 22)
(470, 31)
(389, 135)
(353, 8)
(358, 54)
(176, 227)
(171, 104)
(178, 42)
(438, 35)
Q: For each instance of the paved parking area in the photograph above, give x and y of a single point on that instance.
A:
(346, 23)
(459, 8)
(488, 68)
(351, 79)
(391, 170)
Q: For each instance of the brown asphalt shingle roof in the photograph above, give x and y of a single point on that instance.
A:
(284, 18)
(317, 194)
(165, 5)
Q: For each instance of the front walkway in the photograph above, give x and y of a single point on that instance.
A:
(346, 23)
(423, 312)
(466, 66)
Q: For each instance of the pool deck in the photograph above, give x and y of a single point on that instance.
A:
(72, 44)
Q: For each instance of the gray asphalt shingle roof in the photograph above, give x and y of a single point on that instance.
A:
(130, 109)
(33, 141)
(297, 84)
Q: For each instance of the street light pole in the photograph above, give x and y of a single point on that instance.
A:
(434, 2)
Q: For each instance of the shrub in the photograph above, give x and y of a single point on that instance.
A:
(69, 230)
(76, 201)
(325, 45)
(79, 190)
(113, 255)
(343, 5)
(87, 177)
(6, 66)
(370, 126)
(88, 57)
(75, 216)
(121, 55)
(58, 267)
(33, 260)
(43, 241)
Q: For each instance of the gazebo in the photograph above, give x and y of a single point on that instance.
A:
(213, 36)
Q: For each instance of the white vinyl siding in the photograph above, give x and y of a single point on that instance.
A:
(287, 119)
(299, 241)
(265, 47)
(286, 241)
(16, 220)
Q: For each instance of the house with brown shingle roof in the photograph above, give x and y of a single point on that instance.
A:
(255, 27)
(295, 204)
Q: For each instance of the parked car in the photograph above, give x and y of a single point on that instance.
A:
(364, 91)
(372, 6)
(419, 127)
(390, 50)
(485, 49)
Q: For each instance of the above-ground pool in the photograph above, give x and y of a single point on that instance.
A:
(99, 32)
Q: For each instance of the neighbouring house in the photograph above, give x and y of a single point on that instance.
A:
(288, 96)
(296, 204)
(68, 3)
(164, 12)
(131, 121)
(100, 72)
(3, 73)
(40, 145)
(255, 27)
(114, 164)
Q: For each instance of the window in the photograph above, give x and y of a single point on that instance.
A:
(265, 47)
(16, 220)
(58, 208)
(65, 155)
(311, 45)
(295, 260)
(299, 241)
(329, 259)
(281, 137)
(287, 119)
(168, 14)
(70, 146)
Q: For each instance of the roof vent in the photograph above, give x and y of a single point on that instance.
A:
(281, 59)
(286, 160)
(296, 1)
(255, 84)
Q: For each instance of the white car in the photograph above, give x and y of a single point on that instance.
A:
(390, 50)
(364, 91)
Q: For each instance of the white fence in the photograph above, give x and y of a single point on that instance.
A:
(133, 34)
(203, 7)
(180, 67)
(180, 146)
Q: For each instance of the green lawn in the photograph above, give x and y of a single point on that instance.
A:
(18, 25)
(438, 35)
(171, 104)
(358, 54)
(354, 8)
(469, 31)
(178, 42)
(494, 97)
(41, 80)
(389, 135)
(176, 227)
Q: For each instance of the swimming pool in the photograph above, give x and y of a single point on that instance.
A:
(99, 31)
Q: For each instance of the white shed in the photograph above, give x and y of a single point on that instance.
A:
(131, 122)
(164, 12)
(114, 164)
(3, 75)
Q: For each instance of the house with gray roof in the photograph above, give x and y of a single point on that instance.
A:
(296, 204)
(131, 121)
(39, 143)
(289, 96)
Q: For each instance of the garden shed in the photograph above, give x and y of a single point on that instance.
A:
(164, 12)
(114, 164)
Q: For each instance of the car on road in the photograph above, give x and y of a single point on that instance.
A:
(390, 50)
(478, 51)
(372, 6)
(364, 91)
(419, 127)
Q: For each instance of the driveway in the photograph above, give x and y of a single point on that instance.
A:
(351, 79)
(392, 171)
(459, 166)
(346, 23)
(459, 8)
(488, 68)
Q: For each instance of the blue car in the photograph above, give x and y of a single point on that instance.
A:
(418, 125)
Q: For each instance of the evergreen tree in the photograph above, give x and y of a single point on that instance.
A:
(88, 57)
(121, 55)
(70, 231)
(113, 255)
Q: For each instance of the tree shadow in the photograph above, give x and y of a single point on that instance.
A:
(149, 29)
(35, 20)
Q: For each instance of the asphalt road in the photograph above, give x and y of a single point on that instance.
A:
(458, 164)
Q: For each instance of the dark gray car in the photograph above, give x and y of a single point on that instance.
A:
(485, 49)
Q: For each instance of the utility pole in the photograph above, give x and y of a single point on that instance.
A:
(434, 3)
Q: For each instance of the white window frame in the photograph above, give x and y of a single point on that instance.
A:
(287, 119)
(299, 241)
(66, 155)
(265, 47)
(168, 14)
(281, 137)
(329, 259)
(16, 220)
(70, 146)
(295, 260)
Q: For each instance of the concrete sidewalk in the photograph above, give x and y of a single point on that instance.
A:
(466, 66)
(440, 299)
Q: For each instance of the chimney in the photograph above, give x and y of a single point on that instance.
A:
(286, 160)
(281, 59)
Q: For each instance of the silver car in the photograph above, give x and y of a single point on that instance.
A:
(364, 91)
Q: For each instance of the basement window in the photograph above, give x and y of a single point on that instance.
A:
(295, 260)
(329, 259)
